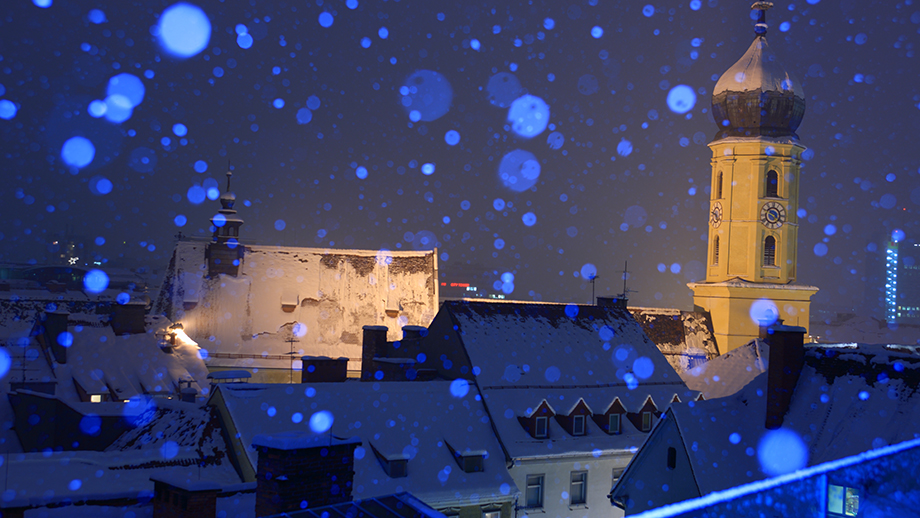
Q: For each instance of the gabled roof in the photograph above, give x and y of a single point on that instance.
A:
(849, 398)
(129, 365)
(556, 345)
(412, 420)
(679, 335)
(524, 353)
(730, 372)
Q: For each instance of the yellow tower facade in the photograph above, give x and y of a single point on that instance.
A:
(753, 221)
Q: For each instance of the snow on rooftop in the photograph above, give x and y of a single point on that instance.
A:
(518, 345)
(249, 320)
(730, 372)
(129, 365)
(408, 419)
(758, 69)
(525, 353)
(844, 403)
(298, 440)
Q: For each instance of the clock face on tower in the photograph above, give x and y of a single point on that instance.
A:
(773, 215)
(715, 215)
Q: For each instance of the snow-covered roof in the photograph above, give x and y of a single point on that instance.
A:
(847, 400)
(249, 320)
(758, 69)
(129, 365)
(171, 440)
(680, 335)
(414, 420)
(730, 372)
(522, 354)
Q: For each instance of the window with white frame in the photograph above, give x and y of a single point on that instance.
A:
(613, 426)
(533, 496)
(578, 489)
(492, 514)
(578, 425)
(541, 424)
(646, 421)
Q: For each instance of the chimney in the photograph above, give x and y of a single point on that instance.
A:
(322, 369)
(303, 470)
(55, 324)
(183, 498)
(787, 357)
(188, 394)
(374, 345)
(129, 318)
(414, 332)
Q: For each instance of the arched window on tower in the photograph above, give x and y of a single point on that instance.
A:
(771, 190)
(719, 186)
(715, 251)
(769, 251)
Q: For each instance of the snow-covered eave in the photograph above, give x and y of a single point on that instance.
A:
(592, 454)
(759, 486)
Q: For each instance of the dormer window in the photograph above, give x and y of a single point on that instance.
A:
(540, 430)
(394, 465)
(536, 421)
(470, 461)
(646, 421)
(613, 426)
(578, 425)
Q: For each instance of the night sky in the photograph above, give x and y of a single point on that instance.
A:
(329, 130)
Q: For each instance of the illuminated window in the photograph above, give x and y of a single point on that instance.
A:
(842, 500)
(614, 423)
(771, 187)
(95, 398)
(646, 421)
(578, 425)
(769, 251)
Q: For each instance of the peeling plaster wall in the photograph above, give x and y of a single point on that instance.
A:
(331, 292)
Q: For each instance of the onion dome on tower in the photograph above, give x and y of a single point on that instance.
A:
(757, 97)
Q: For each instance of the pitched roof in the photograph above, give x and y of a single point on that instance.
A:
(849, 398)
(679, 335)
(412, 419)
(730, 372)
(524, 353)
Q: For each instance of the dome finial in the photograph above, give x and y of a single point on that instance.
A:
(760, 28)
(229, 174)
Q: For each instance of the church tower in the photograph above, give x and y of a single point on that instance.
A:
(224, 252)
(753, 221)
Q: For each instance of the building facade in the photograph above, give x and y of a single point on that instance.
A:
(753, 221)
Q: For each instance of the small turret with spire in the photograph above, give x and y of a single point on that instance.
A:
(224, 253)
(226, 223)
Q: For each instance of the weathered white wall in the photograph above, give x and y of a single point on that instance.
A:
(334, 293)
(557, 473)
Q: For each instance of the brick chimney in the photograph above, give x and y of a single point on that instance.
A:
(303, 470)
(374, 345)
(129, 318)
(787, 357)
(183, 498)
(322, 369)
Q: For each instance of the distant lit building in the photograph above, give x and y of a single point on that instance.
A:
(902, 281)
